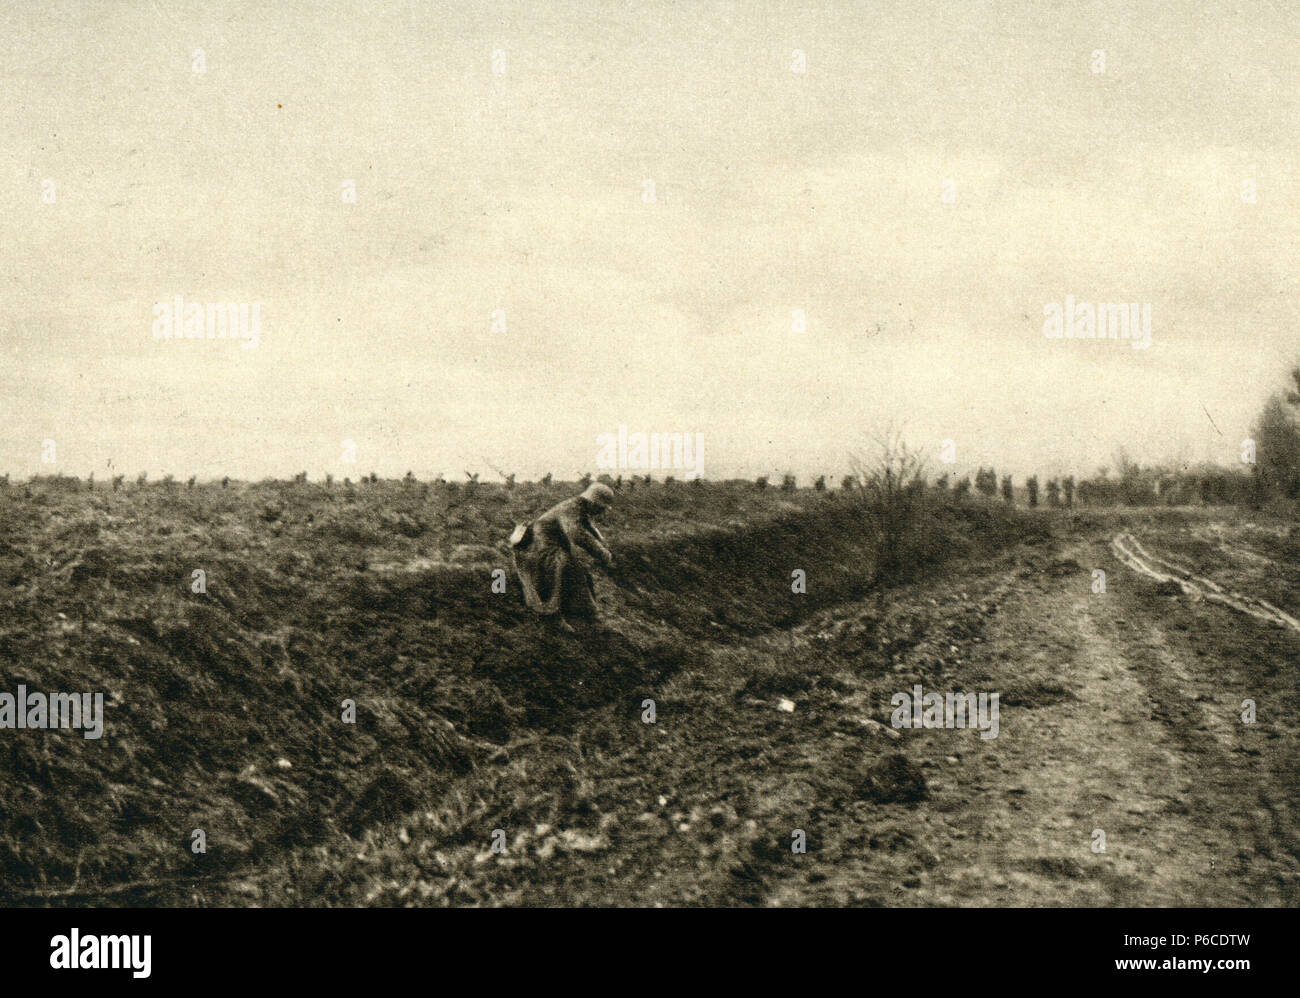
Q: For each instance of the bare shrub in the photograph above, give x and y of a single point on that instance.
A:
(892, 500)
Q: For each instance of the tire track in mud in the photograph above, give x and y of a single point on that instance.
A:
(1019, 814)
(1163, 569)
(1143, 746)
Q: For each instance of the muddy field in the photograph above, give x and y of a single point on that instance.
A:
(494, 763)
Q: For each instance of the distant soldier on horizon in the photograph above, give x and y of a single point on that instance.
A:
(556, 584)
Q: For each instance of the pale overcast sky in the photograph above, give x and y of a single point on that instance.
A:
(522, 191)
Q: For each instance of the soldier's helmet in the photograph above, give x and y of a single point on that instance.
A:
(599, 497)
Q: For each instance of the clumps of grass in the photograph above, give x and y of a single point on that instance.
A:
(895, 779)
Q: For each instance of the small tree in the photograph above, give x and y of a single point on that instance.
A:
(1031, 486)
(891, 500)
(788, 483)
(761, 482)
(848, 483)
(1008, 493)
(962, 488)
(1277, 451)
(820, 484)
(1067, 486)
(1053, 493)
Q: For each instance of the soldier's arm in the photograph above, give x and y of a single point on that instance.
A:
(590, 540)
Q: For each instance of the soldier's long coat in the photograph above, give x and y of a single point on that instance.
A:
(552, 577)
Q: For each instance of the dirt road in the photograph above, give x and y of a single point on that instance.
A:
(1122, 772)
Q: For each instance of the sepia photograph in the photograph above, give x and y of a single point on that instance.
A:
(587, 454)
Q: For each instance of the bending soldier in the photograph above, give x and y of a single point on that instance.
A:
(555, 583)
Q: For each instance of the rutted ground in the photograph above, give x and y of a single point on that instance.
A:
(1120, 713)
